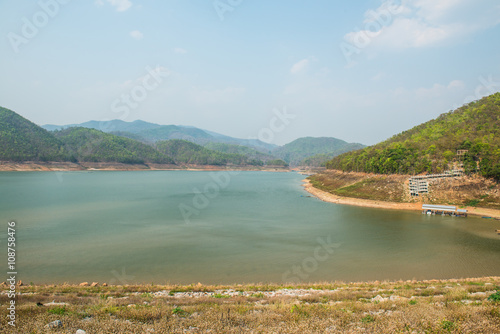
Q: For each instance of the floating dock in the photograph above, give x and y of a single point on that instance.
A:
(443, 210)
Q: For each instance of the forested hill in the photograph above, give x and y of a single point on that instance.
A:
(295, 152)
(89, 145)
(432, 146)
(185, 152)
(22, 140)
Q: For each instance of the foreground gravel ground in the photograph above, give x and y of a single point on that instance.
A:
(452, 306)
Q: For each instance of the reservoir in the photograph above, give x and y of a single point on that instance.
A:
(222, 228)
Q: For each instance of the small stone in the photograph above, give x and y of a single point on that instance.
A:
(94, 284)
(53, 303)
(84, 284)
(395, 297)
(54, 324)
(81, 331)
(379, 299)
(478, 294)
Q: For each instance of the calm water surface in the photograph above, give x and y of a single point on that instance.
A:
(127, 227)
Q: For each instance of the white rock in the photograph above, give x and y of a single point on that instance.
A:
(478, 294)
(81, 331)
(53, 303)
(379, 299)
(394, 298)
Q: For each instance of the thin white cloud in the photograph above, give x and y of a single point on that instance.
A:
(379, 76)
(424, 23)
(180, 50)
(120, 5)
(136, 34)
(438, 90)
(299, 66)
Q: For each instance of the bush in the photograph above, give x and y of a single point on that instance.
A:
(495, 298)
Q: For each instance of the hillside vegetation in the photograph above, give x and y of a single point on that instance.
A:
(22, 140)
(185, 152)
(432, 146)
(300, 149)
(89, 145)
(151, 133)
(141, 142)
(238, 149)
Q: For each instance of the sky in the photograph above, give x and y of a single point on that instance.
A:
(361, 71)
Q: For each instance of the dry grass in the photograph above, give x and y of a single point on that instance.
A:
(465, 191)
(361, 185)
(460, 191)
(453, 306)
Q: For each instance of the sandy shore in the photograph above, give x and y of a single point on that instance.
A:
(328, 197)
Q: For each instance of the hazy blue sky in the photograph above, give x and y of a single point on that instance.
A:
(356, 70)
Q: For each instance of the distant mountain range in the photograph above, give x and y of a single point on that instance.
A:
(151, 132)
(141, 142)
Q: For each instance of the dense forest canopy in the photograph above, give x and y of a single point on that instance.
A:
(22, 140)
(186, 152)
(89, 145)
(238, 149)
(300, 149)
(432, 146)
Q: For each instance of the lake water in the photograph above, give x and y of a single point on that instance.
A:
(155, 226)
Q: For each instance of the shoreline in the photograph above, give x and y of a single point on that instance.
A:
(332, 198)
(6, 166)
(320, 285)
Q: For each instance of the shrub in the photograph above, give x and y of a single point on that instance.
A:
(495, 298)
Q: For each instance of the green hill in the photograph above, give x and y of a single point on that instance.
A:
(90, 145)
(300, 149)
(107, 126)
(166, 132)
(22, 140)
(432, 146)
(151, 133)
(238, 149)
(185, 152)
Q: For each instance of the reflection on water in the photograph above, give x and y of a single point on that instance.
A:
(126, 227)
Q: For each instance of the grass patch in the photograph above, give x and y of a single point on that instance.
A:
(473, 202)
(495, 298)
(58, 310)
(448, 325)
(367, 319)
